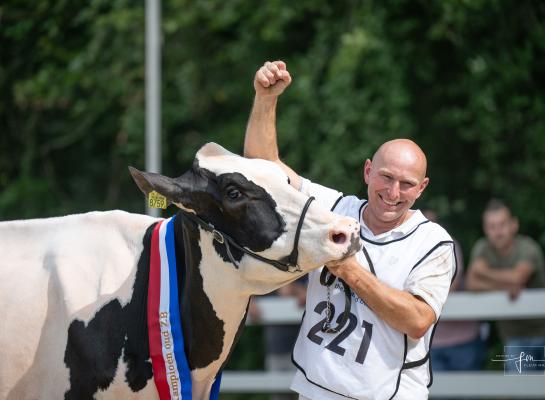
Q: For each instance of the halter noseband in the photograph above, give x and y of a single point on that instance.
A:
(288, 263)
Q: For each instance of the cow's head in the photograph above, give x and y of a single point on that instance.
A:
(252, 201)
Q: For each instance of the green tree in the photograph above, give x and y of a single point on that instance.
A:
(464, 79)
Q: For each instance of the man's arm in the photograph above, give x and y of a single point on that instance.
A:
(482, 277)
(260, 140)
(402, 310)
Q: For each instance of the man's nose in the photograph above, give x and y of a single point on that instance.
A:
(393, 190)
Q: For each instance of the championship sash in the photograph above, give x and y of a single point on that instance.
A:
(166, 340)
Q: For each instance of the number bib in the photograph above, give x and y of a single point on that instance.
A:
(364, 359)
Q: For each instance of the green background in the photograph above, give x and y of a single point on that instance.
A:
(464, 79)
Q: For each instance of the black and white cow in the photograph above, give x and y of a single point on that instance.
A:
(73, 289)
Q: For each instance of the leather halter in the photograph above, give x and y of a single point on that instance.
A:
(287, 263)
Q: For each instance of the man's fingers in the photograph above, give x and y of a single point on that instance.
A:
(262, 78)
(276, 67)
(280, 64)
(269, 74)
(272, 76)
(286, 77)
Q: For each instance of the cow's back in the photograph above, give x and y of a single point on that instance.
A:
(53, 271)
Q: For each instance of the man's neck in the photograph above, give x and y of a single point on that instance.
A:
(378, 227)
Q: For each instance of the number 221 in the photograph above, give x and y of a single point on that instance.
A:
(334, 345)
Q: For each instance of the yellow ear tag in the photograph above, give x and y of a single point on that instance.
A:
(157, 200)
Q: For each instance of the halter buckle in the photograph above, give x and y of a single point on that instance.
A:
(218, 236)
(294, 268)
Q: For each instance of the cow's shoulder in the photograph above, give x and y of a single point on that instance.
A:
(115, 335)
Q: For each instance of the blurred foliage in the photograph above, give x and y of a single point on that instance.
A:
(463, 78)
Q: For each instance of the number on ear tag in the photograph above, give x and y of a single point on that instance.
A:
(157, 200)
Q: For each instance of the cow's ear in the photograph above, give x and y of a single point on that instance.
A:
(149, 182)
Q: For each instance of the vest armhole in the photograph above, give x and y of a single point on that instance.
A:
(441, 243)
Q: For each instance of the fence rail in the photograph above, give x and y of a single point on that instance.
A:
(460, 306)
(480, 384)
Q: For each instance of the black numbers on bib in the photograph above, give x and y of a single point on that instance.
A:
(312, 334)
(335, 344)
(365, 342)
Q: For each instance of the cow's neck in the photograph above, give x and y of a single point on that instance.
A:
(213, 315)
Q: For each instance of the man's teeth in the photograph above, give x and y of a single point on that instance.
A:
(390, 203)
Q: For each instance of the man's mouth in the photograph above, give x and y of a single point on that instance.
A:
(389, 203)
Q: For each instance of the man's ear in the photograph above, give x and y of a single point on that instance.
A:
(149, 182)
(366, 171)
(515, 226)
(423, 185)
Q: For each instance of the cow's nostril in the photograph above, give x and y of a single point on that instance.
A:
(339, 238)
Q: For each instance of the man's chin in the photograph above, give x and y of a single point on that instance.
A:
(391, 216)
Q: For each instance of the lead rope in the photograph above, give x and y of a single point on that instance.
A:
(327, 281)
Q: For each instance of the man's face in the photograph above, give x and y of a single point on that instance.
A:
(500, 227)
(393, 187)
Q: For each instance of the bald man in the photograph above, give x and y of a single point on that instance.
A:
(369, 318)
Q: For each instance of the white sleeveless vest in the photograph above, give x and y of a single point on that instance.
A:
(365, 359)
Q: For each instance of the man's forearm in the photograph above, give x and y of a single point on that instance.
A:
(400, 309)
(503, 278)
(260, 139)
(477, 282)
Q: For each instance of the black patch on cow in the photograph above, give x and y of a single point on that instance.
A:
(203, 330)
(136, 353)
(238, 207)
(93, 351)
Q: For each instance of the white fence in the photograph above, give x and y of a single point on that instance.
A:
(460, 306)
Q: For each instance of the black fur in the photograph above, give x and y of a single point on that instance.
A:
(203, 330)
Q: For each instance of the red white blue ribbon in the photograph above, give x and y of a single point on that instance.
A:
(166, 340)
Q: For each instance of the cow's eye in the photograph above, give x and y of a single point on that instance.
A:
(234, 194)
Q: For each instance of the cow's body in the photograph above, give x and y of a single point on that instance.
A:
(55, 271)
(73, 290)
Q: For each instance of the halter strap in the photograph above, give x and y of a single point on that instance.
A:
(288, 263)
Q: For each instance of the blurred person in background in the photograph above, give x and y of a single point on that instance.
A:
(457, 345)
(279, 339)
(505, 260)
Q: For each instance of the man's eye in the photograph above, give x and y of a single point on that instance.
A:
(234, 194)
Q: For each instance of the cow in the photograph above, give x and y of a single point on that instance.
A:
(73, 289)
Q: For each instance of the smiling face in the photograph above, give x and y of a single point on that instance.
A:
(396, 177)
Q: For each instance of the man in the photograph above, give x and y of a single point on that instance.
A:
(397, 284)
(504, 260)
